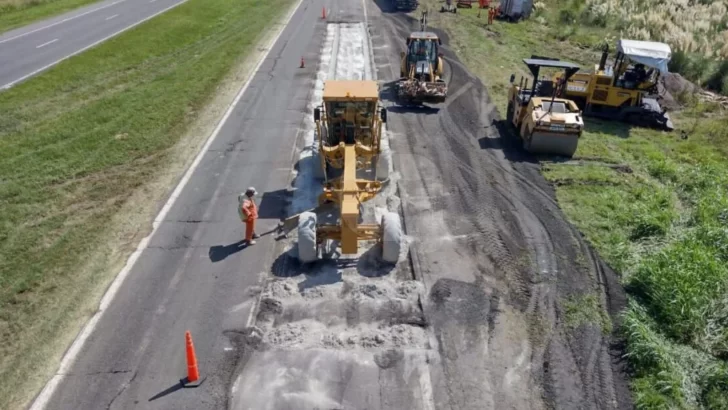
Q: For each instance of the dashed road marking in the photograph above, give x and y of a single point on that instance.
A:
(48, 43)
(60, 22)
(112, 17)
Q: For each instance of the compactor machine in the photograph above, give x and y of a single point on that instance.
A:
(627, 90)
(422, 68)
(545, 122)
(349, 136)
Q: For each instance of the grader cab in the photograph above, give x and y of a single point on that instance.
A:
(349, 136)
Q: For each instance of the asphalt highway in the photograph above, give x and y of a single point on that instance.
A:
(194, 275)
(29, 50)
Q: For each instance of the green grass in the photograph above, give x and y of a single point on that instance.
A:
(76, 145)
(586, 309)
(16, 13)
(655, 206)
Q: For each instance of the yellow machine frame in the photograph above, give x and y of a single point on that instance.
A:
(601, 94)
(355, 150)
(550, 132)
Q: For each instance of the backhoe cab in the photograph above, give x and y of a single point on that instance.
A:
(545, 122)
(627, 90)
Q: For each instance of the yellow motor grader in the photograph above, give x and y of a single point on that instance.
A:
(545, 123)
(349, 136)
(422, 68)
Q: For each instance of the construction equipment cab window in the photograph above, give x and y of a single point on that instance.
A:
(351, 118)
(422, 49)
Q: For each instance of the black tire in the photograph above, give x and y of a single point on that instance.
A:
(527, 141)
(509, 113)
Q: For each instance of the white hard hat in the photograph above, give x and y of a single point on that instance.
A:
(250, 191)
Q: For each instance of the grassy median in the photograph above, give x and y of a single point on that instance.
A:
(77, 145)
(17, 13)
(654, 204)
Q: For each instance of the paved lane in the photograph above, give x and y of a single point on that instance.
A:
(193, 275)
(30, 50)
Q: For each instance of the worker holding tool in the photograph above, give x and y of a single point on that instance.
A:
(248, 212)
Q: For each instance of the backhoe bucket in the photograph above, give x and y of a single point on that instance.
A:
(422, 91)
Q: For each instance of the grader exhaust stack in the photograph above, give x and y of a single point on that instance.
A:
(349, 132)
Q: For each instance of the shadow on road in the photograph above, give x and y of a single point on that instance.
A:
(182, 384)
(219, 253)
(273, 204)
(328, 270)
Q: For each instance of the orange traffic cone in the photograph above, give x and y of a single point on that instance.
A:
(302, 64)
(323, 13)
(193, 373)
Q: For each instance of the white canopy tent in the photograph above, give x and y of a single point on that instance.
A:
(650, 53)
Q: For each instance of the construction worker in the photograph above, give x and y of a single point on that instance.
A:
(248, 212)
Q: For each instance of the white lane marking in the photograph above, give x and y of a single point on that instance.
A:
(12, 83)
(45, 44)
(112, 17)
(62, 21)
(68, 359)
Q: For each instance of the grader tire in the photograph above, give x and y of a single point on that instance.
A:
(307, 249)
(384, 161)
(391, 237)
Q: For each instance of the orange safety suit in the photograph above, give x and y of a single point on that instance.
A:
(248, 214)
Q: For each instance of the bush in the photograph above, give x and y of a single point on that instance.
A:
(567, 15)
(565, 33)
(679, 62)
(718, 80)
(694, 67)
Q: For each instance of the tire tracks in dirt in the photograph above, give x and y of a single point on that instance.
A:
(492, 239)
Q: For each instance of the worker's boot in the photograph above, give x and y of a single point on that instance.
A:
(255, 235)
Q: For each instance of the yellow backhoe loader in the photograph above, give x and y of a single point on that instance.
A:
(422, 68)
(627, 90)
(349, 134)
(545, 123)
